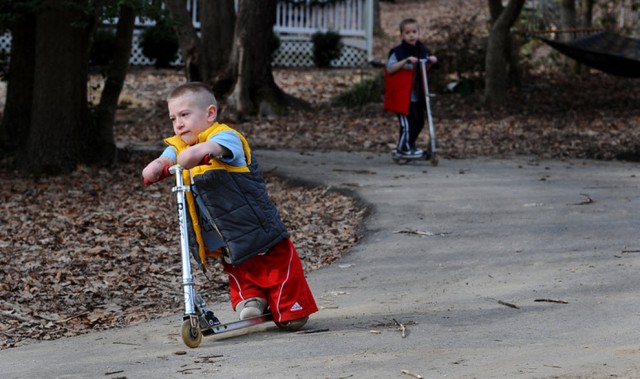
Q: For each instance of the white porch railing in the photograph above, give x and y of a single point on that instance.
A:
(296, 22)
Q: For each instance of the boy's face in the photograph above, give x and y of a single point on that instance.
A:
(410, 33)
(190, 117)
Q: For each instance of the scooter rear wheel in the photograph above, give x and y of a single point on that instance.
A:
(191, 336)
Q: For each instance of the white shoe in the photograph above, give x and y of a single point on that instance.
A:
(252, 307)
(403, 154)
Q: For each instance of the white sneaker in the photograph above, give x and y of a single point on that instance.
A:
(404, 154)
(252, 307)
(417, 152)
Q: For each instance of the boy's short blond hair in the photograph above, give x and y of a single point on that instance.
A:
(407, 21)
(204, 95)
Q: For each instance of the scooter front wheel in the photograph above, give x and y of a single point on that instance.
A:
(191, 336)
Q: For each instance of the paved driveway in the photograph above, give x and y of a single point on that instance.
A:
(473, 269)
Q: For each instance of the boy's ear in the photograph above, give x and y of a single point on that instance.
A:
(212, 113)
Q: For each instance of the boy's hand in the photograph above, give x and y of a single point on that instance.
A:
(192, 156)
(197, 155)
(165, 174)
(156, 170)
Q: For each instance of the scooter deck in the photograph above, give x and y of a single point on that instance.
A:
(235, 325)
(401, 159)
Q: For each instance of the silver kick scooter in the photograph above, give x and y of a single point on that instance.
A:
(198, 320)
(430, 154)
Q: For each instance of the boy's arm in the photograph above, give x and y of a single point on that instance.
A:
(395, 65)
(154, 170)
(432, 60)
(192, 156)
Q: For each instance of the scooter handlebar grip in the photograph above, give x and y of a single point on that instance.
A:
(205, 160)
(165, 174)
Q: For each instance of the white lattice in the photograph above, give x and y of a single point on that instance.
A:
(5, 43)
(295, 25)
(292, 53)
(299, 53)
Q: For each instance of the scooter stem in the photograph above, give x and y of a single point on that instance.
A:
(187, 279)
(425, 84)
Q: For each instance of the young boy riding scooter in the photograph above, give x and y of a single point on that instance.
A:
(262, 264)
(404, 93)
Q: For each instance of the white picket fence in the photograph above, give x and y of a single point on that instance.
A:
(296, 22)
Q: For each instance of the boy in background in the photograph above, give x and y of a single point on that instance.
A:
(404, 94)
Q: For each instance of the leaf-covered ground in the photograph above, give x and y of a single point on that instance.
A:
(554, 115)
(97, 249)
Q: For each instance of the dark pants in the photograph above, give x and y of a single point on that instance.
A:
(410, 127)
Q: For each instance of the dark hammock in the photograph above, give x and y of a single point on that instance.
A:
(605, 51)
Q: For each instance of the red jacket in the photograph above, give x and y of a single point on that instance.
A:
(397, 91)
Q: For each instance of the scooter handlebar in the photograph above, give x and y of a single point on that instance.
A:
(165, 174)
(205, 160)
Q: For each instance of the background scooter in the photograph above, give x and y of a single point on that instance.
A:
(430, 154)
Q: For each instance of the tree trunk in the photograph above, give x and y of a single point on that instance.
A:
(255, 89)
(217, 20)
(495, 10)
(190, 44)
(512, 48)
(59, 111)
(498, 50)
(105, 114)
(585, 21)
(587, 13)
(14, 129)
(635, 19)
(568, 19)
(377, 25)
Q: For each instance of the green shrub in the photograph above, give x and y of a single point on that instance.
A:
(367, 91)
(326, 47)
(103, 47)
(160, 42)
(274, 43)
